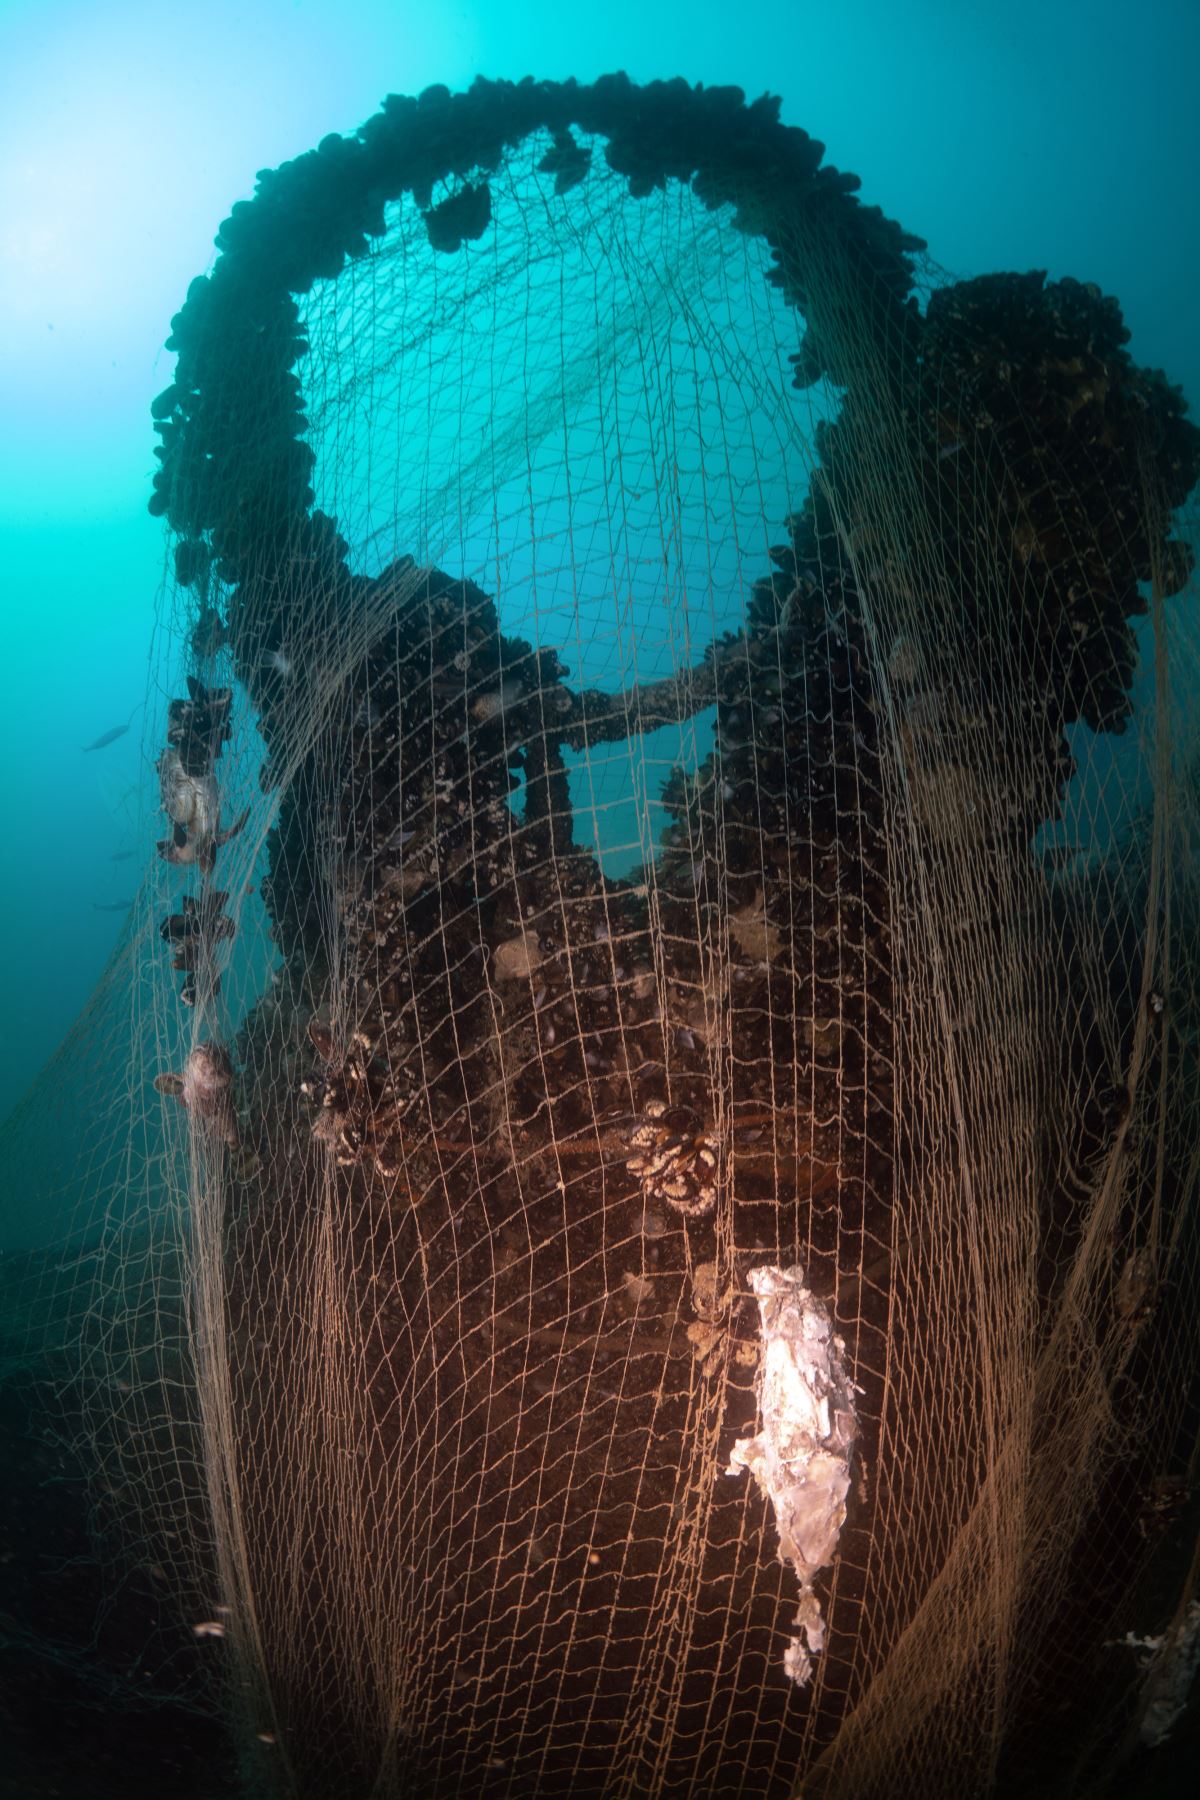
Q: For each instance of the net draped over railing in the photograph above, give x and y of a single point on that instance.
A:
(680, 763)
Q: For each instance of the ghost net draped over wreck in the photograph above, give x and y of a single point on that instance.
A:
(699, 864)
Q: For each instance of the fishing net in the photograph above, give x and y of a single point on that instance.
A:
(635, 1176)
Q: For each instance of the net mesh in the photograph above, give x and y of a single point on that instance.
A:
(687, 765)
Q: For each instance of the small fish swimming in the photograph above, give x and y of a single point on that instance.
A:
(495, 700)
(111, 905)
(122, 855)
(110, 737)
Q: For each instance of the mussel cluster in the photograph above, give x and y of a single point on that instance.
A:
(1029, 385)
(362, 1102)
(198, 729)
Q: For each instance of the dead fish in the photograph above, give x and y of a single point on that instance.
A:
(189, 800)
(210, 633)
(111, 905)
(193, 987)
(193, 803)
(110, 737)
(182, 849)
(199, 918)
(206, 1088)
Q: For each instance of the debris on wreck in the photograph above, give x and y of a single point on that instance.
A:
(800, 1457)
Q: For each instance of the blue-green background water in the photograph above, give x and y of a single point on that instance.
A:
(1010, 133)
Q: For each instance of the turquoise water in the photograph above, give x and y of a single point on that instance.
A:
(1033, 133)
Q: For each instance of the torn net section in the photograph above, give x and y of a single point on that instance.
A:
(680, 689)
